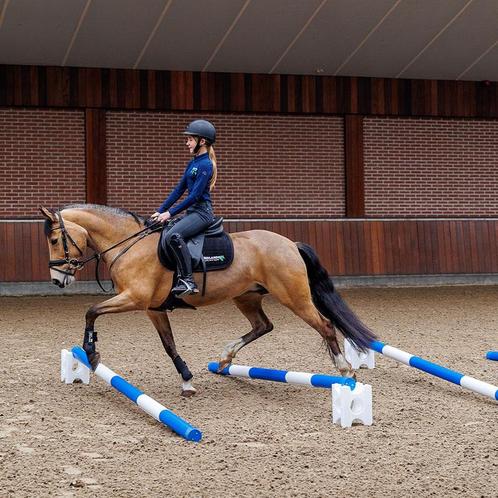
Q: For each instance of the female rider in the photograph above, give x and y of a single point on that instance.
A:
(199, 179)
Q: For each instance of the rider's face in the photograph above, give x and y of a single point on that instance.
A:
(191, 143)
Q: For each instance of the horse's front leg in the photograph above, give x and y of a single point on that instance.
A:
(161, 323)
(117, 304)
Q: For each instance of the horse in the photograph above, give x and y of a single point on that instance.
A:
(264, 263)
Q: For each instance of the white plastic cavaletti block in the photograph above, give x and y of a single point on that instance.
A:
(356, 359)
(350, 406)
(72, 369)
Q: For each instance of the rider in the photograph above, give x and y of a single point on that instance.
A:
(199, 179)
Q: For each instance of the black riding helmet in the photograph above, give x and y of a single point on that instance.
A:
(202, 129)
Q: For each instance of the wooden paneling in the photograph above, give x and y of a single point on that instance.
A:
(354, 171)
(96, 168)
(224, 92)
(395, 247)
(25, 254)
(345, 247)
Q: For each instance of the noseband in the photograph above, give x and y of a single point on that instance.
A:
(75, 264)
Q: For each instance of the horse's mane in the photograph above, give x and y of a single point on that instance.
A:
(97, 207)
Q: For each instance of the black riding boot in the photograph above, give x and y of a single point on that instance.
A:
(185, 284)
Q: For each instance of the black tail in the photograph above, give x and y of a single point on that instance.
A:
(330, 304)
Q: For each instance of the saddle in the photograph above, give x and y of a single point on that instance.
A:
(210, 250)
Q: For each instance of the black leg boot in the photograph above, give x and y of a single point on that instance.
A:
(185, 284)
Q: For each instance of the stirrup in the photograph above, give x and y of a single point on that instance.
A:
(184, 287)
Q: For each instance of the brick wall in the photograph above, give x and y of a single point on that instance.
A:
(268, 166)
(431, 167)
(42, 160)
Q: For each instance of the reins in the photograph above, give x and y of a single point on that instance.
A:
(78, 264)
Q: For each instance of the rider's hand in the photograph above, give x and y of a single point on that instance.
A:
(154, 216)
(163, 217)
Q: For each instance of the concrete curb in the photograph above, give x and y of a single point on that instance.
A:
(91, 287)
(49, 289)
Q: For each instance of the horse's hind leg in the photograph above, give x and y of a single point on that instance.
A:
(161, 323)
(250, 305)
(329, 335)
(297, 298)
(312, 317)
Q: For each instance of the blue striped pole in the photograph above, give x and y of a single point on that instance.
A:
(301, 378)
(492, 355)
(462, 380)
(146, 403)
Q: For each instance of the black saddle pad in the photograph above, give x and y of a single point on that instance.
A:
(217, 254)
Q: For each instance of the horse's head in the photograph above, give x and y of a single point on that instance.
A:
(66, 243)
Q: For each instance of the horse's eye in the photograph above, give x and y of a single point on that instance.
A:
(53, 241)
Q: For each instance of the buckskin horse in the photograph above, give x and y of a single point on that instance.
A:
(264, 263)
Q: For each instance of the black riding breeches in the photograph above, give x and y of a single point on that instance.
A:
(191, 224)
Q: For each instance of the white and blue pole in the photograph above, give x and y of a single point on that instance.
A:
(289, 377)
(146, 403)
(492, 355)
(462, 380)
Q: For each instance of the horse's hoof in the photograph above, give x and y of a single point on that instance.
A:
(224, 363)
(351, 374)
(188, 390)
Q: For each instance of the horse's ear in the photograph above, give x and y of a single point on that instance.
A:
(47, 213)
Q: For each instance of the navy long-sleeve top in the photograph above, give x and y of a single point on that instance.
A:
(196, 180)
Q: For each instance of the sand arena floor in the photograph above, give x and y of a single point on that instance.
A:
(429, 438)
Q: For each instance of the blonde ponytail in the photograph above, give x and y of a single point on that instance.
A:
(212, 156)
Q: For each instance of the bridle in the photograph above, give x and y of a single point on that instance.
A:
(74, 264)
